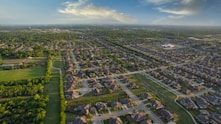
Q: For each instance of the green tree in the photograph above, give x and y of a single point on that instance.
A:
(37, 97)
(0, 59)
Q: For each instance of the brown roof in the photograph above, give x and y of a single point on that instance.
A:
(115, 121)
(80, 120)
(139, 116)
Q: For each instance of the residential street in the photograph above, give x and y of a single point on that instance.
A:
(140, 106)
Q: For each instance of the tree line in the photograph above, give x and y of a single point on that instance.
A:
(26, 111)
(34, 81)
(14, 91)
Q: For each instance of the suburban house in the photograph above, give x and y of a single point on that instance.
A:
(139, 116)
(156, 104)
(115, 121)
(80, 120)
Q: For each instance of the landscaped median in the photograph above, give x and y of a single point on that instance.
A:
(166, 97)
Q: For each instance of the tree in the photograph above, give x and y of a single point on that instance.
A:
(37, 97)
(0, 59)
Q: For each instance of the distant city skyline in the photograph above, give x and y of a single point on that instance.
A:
(143, 12)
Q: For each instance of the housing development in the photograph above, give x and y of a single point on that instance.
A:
(109, 75)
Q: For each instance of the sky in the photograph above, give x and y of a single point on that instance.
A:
(138, 12)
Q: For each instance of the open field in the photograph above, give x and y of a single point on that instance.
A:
(57, 64)
(19, 74)
(13, 61)
(52, 90)
(166, 97)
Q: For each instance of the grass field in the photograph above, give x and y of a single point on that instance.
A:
(166, 97)
(53, 107)
(57, 64)
(28, 73)
(52, 89)
(11, 61)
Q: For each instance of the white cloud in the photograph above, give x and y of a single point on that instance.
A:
(157, 2)
(177, 12)
(178, 7)
(86, 10)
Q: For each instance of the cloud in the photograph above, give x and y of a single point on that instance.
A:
(158, 2)
(86, 10)
(185, 7)
(178, 7)
(177, 11)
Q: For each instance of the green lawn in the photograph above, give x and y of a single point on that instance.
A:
(53, 107)
(18, 74)
(57, 64)
(52, 89)
(35, 59)
(166, 97)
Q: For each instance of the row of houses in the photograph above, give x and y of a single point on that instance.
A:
(138, 117)
(102, 106)
(200, 76)
(172, 79)
(174, 55)
(213, 118)
(204, 104)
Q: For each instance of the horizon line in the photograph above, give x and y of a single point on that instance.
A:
(2, 25)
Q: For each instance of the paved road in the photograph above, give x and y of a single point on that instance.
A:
(113, 75)
(140, 103)
(103, 60)
(174, 91)
(123, 74)
(75, 61)
(85, 88)
(140, 106)
(148, 54)
(98, 119)
(178, 94)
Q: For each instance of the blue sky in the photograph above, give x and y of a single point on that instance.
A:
(147, 12)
